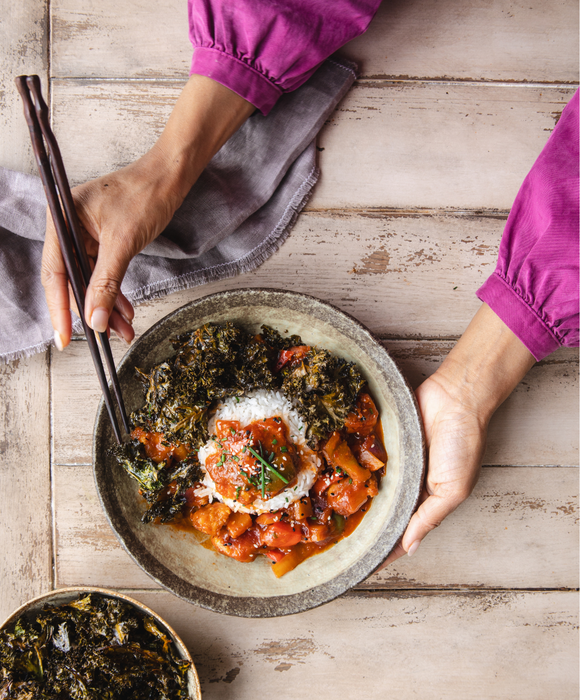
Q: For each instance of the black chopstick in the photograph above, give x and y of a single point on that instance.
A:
(55, 181)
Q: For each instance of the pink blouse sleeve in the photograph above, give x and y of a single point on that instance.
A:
(534, 288)
(263, 48)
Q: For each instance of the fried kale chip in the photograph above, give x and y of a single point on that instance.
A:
(93, 648)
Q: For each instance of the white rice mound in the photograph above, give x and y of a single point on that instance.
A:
(249, 409)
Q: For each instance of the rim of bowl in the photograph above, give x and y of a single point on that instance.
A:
(194, 687)
(275, 606)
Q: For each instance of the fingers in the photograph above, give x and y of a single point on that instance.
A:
(55, 282)
(397, 553)
(121, 326)
(104, 292)
(428, 516)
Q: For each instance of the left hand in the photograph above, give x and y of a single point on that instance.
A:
(456, 404)
(456, 442)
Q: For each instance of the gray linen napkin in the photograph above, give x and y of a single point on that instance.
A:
(236, 216)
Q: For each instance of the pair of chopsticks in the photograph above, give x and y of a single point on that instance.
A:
(66, 222)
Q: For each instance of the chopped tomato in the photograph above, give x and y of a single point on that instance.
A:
(244, 548)
(324, 481)
(156, 448)
(238, 523)
(292, 356)
(346, 498)
(275, 555)
(282, 535)
(364, 417)
(269, 518)
(211, 518)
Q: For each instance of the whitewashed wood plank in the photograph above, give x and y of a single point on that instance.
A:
(87, 551)
(505, 646)
(122, 40)
(446, 145)
(501, 40)
(25, 492)
(518, 530)
(389, 144)
(23, 50)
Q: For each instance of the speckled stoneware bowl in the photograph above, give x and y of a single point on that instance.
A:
(175, 559)
(65, 595)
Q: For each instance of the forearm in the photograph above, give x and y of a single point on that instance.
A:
(485, 366)
(203, 119)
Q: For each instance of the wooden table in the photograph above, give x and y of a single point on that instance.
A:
(420, 163)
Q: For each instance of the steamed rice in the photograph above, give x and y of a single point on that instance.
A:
(248, 409)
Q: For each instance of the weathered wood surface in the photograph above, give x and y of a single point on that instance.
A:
(519, 529)
(473, 646)
(389, 144)
(534, 41)
(25, 486)
(441, 144)
(512, 41)
(120, 40)
(23, 49)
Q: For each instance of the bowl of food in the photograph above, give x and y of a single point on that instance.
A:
(276, 453)
(84, 642)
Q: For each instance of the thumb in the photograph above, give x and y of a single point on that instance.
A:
(105, 286)
(429, 515)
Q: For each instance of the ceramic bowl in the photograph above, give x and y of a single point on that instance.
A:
(175, 559)
(65, 595)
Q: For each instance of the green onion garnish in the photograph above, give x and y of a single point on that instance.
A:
(283, 448)
(268, 466)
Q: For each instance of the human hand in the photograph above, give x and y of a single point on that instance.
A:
(455, 437)
(123, 212)
(456, 405)
(120, 214)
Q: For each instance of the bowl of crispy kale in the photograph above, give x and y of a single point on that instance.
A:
(275, 458)
(92, 643)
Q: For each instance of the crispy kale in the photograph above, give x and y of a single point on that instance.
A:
(214, 362)
(323, 388)
(92, 648)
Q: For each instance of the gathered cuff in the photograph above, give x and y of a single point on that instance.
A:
(518, 316)
(236, 75)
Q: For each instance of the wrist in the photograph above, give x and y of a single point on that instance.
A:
(203, 119)
(485, 366)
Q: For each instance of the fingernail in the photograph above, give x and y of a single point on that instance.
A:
(413, 548)
(58, 341)
(100, 320)
(122, 337)
(126, 318)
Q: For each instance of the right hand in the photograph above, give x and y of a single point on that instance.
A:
(123, 212)
(120, 214)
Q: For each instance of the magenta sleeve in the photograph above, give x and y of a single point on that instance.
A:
(263, 48)
(534, 288)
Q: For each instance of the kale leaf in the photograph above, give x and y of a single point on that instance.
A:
(93, 648)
